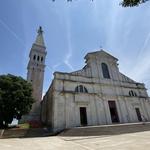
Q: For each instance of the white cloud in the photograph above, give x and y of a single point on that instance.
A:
(69, 53)
(12, 32)
(142, 67)
(67, 58)
(56, 65)
(53, 68)
(146, 42)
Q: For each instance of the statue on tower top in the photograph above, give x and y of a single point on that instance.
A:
(39, 39)
(40, 30)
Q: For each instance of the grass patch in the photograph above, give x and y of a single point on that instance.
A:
(24, 126)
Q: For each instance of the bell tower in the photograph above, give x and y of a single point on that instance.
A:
(35, 75)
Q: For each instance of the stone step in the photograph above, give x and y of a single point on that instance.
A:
(106, 129)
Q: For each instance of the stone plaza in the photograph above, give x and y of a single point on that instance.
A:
(130, 141)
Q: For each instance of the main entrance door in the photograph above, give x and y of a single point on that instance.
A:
(83, 116)
(113, 111)
(138, 114)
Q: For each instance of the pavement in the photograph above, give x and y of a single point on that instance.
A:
(128, 141)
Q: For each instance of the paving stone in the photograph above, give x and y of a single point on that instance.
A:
(130, 141)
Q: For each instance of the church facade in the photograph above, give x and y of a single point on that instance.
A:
(97, 94)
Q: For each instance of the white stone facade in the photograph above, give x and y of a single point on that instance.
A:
(94, 95)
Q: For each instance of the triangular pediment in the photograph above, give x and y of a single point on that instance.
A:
(100, 53)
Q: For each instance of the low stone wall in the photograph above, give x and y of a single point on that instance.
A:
(24, 133)
(13, 133)
(1, 132)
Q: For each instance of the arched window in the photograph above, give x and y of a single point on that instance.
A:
(38, 58)
(132, 93)
(86, 91)
(135, 94)
(34, 57)
(41, 59)
(105, 71)
(81, 89)
(77, 89)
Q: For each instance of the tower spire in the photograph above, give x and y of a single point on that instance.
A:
(39, 39)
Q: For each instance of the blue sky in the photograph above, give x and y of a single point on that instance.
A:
(71, 31)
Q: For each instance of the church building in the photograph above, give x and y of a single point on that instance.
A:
(98, 94)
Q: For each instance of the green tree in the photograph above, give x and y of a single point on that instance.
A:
(124, 3)
(131, 3)
(15, 98)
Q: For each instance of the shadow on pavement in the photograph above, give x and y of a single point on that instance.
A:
(105, 130)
